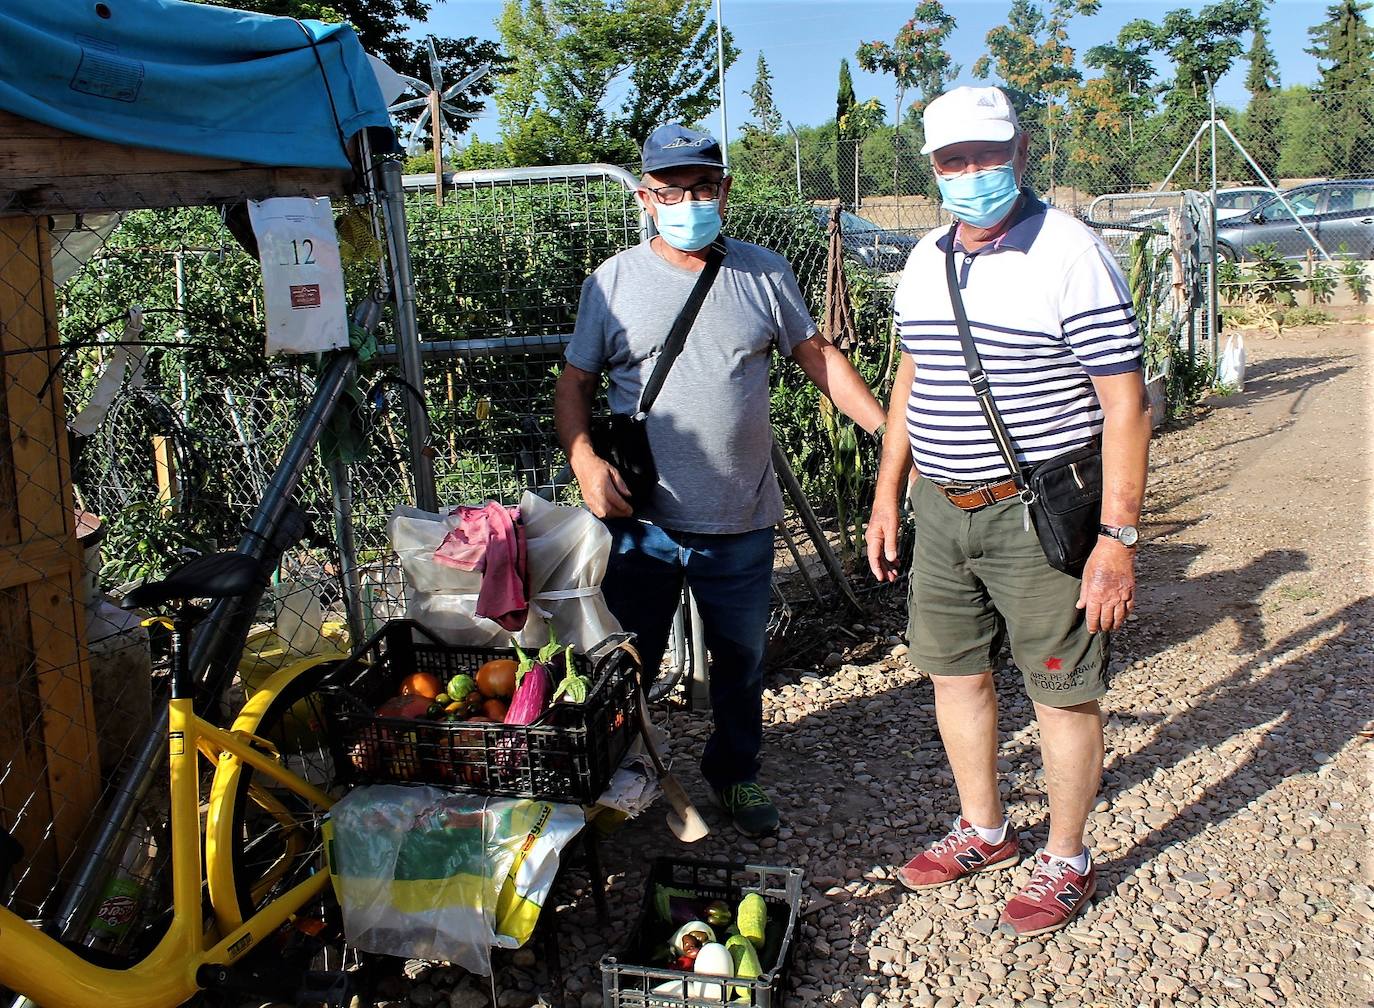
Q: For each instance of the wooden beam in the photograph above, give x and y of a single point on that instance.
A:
(38, 464)
(47, 170)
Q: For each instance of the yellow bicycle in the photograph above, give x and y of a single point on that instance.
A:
(262, 851)
(252, 872)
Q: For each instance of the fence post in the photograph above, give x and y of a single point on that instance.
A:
(407, 330)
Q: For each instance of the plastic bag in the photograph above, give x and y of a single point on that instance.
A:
(567, 550)
(1231, 363)
(426, 874)
(302, 274)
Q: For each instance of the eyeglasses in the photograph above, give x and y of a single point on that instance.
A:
(991, 157)
(673, 193)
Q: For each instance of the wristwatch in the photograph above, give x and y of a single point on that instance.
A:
(1127, 535)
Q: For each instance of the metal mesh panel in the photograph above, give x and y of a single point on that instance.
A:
(142, 377)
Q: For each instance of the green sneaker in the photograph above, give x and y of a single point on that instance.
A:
(750, 808)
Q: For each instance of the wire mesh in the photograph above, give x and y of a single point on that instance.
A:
(139, 369)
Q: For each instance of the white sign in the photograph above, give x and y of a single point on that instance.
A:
(302, 276)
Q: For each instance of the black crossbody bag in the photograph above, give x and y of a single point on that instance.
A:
(623, 440)
(1062, 494)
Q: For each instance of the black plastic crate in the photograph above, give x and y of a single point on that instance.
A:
(568, 755)
(628, 981)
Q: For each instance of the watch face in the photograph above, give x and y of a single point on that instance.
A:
(1128, 535)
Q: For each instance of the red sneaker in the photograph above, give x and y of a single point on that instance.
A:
(961, 852)
(1052, 898)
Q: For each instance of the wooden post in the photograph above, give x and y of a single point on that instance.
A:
(44, 668)
(436, 125)
(165, 466)
(1311, 272)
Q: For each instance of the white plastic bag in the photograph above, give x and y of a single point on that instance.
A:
(426, 874)
(1231, 363)
(567, 550)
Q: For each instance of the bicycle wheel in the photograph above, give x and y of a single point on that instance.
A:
(272, 835)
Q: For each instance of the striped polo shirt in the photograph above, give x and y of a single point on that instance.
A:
(1048, 308)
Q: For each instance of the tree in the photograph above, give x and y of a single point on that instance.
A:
(381, 25)
(845, 146)
(764, 110)
(916, 58)
(1202, 47)
(917, 61)
(1344, 48)
(1302, 137)
(766, 157)
(1031, 54)
(569, 56)
(1261, 131)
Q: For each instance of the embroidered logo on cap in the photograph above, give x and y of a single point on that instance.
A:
(684, 142)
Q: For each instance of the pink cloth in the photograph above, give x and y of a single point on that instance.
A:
(491, 539)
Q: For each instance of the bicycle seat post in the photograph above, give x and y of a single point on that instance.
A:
(183, 621)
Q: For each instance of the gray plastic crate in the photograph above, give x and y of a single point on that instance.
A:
(627, 980)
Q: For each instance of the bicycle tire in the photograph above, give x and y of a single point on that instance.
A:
(268, 856)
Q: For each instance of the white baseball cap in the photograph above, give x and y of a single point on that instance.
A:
(968, 113)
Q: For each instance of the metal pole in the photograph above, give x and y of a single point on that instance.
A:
(720, 75)
(796, 150)
(1212, 312)
(407, 330)
(179, 258)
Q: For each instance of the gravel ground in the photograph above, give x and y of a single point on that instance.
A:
(1232, 836)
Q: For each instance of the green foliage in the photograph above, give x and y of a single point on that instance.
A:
(1356, 280)
(1302, 143)
(917, 59)
(1272, 278)
(1306, 315)
(571, 56)
(765, 110)
(1321, 284)
(1260, 130)
(1343, 45)
(1200, 46)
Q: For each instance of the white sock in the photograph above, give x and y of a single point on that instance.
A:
(1079, 864)
(991, 836)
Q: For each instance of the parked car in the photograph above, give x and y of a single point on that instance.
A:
(1231, 203)
(868, 243)
(1338, 213)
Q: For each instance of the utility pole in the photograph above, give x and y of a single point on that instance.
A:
(796, 151)
(1212, 298)
(720, 76)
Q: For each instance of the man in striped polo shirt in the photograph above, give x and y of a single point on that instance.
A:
(1051, 317)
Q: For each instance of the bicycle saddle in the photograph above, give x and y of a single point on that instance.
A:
(212, 576)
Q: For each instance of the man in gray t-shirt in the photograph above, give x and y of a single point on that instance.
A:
(710, 520)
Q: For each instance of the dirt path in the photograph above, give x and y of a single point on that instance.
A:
(1232, 838)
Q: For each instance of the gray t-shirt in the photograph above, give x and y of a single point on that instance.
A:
(709, 426)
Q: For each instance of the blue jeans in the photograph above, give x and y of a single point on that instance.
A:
(730, 577)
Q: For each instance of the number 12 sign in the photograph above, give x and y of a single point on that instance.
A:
(302, 276)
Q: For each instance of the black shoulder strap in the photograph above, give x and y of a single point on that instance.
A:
(976, 375)
(677, 335)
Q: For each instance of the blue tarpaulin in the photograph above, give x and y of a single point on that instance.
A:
(189, 78)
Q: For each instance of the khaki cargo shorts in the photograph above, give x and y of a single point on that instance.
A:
(979, 578)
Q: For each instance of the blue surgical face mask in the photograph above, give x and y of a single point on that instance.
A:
(980, 198)
(690, 225)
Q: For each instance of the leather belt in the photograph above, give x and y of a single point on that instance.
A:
(969, 498)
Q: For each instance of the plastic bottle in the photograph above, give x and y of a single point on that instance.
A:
(112, 920)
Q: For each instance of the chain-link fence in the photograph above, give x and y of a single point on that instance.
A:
(145, 423)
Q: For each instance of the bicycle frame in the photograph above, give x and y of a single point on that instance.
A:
(42, 968)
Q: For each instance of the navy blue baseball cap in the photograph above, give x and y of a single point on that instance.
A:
(673, 145)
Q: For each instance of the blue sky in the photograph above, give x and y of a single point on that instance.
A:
(804, 40)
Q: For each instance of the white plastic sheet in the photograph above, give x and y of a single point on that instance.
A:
(567, 549)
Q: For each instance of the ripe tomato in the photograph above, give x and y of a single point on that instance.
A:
(497, 678)
(423, 684)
